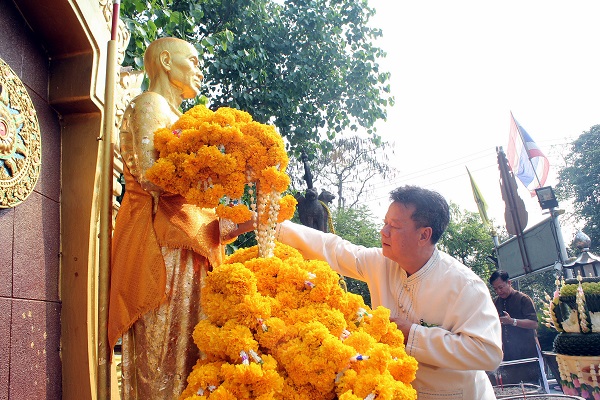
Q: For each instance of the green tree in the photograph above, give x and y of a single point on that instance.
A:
(469, 241)
(348, 167)
(578, 181)
(308, 67)
(357, 225)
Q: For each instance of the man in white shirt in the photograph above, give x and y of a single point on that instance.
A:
(445, 311)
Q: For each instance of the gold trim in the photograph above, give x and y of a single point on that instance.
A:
(20, 140)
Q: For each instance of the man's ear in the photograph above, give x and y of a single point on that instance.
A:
(426, 235)
(165, 60)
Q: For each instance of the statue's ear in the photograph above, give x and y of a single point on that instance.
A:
(165, 60)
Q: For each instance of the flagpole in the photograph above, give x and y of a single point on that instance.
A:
(526, 149)
(106, 210)
(512, 207)
(482, 208)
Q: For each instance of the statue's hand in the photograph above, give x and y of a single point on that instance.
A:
(241, 228)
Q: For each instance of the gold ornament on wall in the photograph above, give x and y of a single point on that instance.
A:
(20, 140)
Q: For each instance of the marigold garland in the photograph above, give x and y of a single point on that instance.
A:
(209, 158)
(283, 328)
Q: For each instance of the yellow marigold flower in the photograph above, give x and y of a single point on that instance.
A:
(234, 185)
(242, 255)
(271, 179)
(186, 121)
(224, 342)
(238, 213)
(361, 341)
(287, 207)
(201, 377)
(403, 368)
(231, 279)
(162, 173)
(161, 139)
(200, 112)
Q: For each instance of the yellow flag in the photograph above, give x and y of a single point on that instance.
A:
(481, 204)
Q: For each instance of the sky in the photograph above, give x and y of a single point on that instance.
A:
(458, 69)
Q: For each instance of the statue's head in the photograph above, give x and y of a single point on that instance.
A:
(176, 60)
(311, 194)
(326, 196)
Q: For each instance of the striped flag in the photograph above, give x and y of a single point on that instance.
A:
(525, 158)
(481, 204)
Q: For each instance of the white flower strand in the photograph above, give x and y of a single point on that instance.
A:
(580, 300)
(265, 231)
(261, 204)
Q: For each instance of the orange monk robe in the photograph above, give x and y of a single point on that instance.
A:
(138, 275)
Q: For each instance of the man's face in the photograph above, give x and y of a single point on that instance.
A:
(502, 289)
(185, 71)
(400, 235)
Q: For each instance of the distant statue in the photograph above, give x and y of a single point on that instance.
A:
(313, 209)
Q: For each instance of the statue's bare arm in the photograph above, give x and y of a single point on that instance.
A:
(146, 114)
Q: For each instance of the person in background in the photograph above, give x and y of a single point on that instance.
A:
(517, 317)
(444, 309)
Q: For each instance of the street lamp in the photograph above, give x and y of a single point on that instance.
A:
(587, 263)
(546, 197)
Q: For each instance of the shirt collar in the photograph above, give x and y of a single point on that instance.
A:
(425, 269)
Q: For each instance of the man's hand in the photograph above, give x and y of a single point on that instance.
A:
(506, 319)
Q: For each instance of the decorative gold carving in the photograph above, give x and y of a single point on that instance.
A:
(20, 140)
(123, 34)
(128, 87)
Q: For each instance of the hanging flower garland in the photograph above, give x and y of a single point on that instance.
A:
(283, 328)
(210, 158)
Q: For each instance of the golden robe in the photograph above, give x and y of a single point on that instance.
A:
(162, 248)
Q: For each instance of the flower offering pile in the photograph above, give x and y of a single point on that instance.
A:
(575, 306)
(574, 311)
(283, 328)
(277, 326)
(213, 158)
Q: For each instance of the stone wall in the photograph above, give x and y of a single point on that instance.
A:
(30, 306)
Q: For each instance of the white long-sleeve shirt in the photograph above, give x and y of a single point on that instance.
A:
(456, 334)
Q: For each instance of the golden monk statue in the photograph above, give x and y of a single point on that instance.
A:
(162, 247)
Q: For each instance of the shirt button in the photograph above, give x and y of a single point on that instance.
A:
(401, 306)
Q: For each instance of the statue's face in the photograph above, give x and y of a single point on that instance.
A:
(184, 72)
